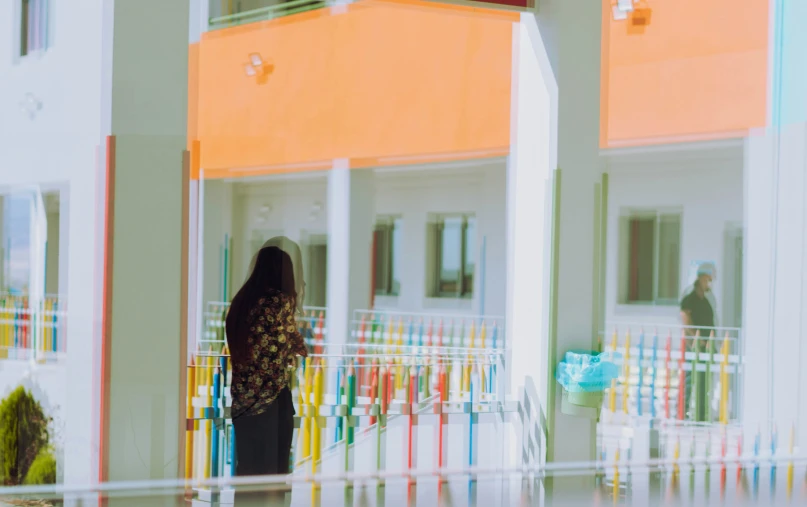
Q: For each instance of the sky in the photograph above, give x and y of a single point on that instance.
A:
(16, 241)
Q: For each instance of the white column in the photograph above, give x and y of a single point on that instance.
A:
(64, 239)
(351, 211)
(413, 267)
(198, 20)
(145, 359)
(775, 296)
(218, 212)
(494, 214)
(52, 253)
(3, 252)
(551, 284)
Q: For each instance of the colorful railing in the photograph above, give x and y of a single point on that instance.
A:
(344, 395)
(675, 373)
(265, 13)
(393, 328)
(311, 324)
(28, 332)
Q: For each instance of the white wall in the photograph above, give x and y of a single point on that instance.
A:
(475, 188)
(298, 208)
(705, 181)
(529, 207)
(291, 206)
(60, 146)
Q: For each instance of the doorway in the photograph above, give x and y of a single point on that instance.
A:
(733, 285)
(316, 276)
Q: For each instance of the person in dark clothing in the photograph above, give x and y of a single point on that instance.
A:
(263, 340)
(698, 318)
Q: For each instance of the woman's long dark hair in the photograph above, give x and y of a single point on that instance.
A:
(273, 270)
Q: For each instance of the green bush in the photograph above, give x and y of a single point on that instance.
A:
(23, 435)
(43, 469)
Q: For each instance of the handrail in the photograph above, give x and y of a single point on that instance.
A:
(265, 13)
(543, 469)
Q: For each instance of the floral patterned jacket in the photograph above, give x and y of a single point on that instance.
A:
(273, 341)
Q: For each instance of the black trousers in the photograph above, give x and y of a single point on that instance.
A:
(263, 447)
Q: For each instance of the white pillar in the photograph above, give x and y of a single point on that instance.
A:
(53, 247)
(198, 19)
(218, 212)
(3, 250)
(143, 407)
(351, 212)
(775, 297)
(489, 223)
(64, 239)
(556, 115)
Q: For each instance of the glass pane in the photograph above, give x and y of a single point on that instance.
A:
(381, 259)
(17, 244)
(451, 255)
(640, 264)
(397, 255)
(470, 256)
(669, 256)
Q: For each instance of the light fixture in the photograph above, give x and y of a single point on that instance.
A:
(620, 15)
(258, 68)
(265, 209)
(637, 11)
(30, 105)
(624, 5)
(621, 9)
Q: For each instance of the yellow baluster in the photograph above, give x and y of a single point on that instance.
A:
(612, 394)
(306, 433)
(627, 374)
(208, 403)
(724, 382)
(189, 415)
(316, 430)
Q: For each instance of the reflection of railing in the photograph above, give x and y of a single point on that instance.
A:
(746, 481)
(427, 329)
(671, 372)
(311, 324)
(265, 13)
(28, 332)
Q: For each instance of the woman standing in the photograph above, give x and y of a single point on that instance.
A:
(263, 339)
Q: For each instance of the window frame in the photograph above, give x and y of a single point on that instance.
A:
(657, 214)
(23, 45)
(464, 291)
(386, 223)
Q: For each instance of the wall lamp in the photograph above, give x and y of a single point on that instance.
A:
(638, 11)
(30, 105)
(258, 69)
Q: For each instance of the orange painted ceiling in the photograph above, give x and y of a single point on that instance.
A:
(697, 70)
(382, 80)
(391, 81)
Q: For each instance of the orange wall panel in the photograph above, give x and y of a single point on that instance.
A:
(698, 70)
(384, 79)
(193, 103)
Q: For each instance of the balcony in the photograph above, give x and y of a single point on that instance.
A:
(229, 13)
(381, 82)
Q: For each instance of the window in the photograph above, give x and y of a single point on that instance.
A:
(453, 247)
(650, 244)
(34, 21)
(387, 256)
(16, 235)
